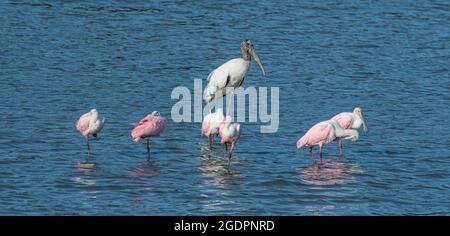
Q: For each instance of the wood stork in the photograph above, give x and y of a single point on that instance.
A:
(351, 120)
(230, 75)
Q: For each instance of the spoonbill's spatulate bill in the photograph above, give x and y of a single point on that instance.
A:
(211, 124)
(323, 133)
(151, 126)
(230, 75)
(90, 124)
(351, 120)
(229, 133)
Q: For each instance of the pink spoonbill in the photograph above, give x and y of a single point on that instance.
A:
(229, 133)
(90, 124)
(351, 120)
(211, 124)
(323, 133)
(151, 126)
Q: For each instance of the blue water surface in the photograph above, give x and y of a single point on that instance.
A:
(58, 59)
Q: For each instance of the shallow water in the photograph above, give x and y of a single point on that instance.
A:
(58, 59)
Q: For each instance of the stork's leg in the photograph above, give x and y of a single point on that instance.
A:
(320, 152)
(340, 150)
(88, 148)
(148, 149)
(312, 156)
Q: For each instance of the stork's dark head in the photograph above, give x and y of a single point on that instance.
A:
(248, 51)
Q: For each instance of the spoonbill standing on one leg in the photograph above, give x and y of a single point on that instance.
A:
(230, 75)
(325, 132)
(90, 123)
(151, 126)
(351, 120)
(211, 124)
(229, 133)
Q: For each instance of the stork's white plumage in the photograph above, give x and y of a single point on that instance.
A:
(230, 75)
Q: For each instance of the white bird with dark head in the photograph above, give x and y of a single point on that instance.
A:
(230, 75)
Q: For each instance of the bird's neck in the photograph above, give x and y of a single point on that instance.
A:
(357, 121)
(246, 55)
(341, 133)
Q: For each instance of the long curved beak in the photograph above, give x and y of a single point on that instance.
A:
(255, 56)
(365, 127)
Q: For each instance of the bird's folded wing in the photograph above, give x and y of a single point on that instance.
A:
(141, 122)
(344, 120)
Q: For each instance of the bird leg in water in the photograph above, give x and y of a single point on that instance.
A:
(229, 160)
(229, 156)
(340, 150)
(320, 152)
(88, 148)
(210, 141)
(148, 149)
(226, 147)
(312, 156)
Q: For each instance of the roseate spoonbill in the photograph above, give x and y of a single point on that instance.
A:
(230, 75)
(90, 124)
(211, 124)
(229, 133)
(323, 133)
(351, 120)
(151, 126)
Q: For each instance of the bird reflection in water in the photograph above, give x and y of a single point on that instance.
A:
(148, 169)
(86, 169)
(85, 166)
(217, 181)
(320, 210)
(213, 166)
(85, 181)
(331, 172)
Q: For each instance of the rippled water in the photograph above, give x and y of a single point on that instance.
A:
(58, 59)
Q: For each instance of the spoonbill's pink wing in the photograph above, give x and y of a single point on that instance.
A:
(138, 129)
(319, 134)
(156, 126)
(83, 124)
(151, 127)
(144, 120)
(344, 120)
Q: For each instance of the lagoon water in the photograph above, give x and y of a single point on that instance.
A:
(58, 59)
